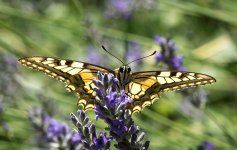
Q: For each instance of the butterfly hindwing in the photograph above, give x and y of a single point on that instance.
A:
(76, 75)
(145, 87)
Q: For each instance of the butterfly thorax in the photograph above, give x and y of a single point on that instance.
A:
(123, 74)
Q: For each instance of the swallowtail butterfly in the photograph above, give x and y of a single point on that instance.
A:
(143, 87)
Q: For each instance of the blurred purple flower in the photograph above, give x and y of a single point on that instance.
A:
(93, 56)
(10, 63)
(165, 43)
(208, 146)
(76, 138)
(178, 63)
(122, 6)
(55, 129)
(118, 8)
(159, 57)
(59, 134)
(52, 133)
(205, 146)
(134, 52)
(167, 55)
(125, 8)
(9, 80)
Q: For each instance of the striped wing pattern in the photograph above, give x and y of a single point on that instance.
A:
(145, 87)
(76, 75)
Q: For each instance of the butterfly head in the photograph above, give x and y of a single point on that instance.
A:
(123, 74)
(124, 69)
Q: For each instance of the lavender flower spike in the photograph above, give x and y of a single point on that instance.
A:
(87, 132)
(167, 55)
(111, 104)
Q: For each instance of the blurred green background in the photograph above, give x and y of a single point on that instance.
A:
(205, 32)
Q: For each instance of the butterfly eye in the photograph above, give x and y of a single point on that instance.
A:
(121, 69)
(129, 69)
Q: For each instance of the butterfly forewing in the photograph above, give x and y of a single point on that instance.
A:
(76, 75)
(145, 87)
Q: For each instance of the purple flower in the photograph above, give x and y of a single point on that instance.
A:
(55, 128)
(111, 107)
(100, 112)
(208, 146)
(177, 61)
(167, 55)
(10, 62)
(123, 98)
(160, 40)
(126, 8)
(205, 146)
(118, 127)
(87, 133)
(159, 57)
(121, 5)
(119, 8)
(101, 142)
(52, 133)
(111, 100)
(165, 42)
(100, 93)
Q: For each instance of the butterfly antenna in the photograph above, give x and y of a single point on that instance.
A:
(141, 58)
(112, 54)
